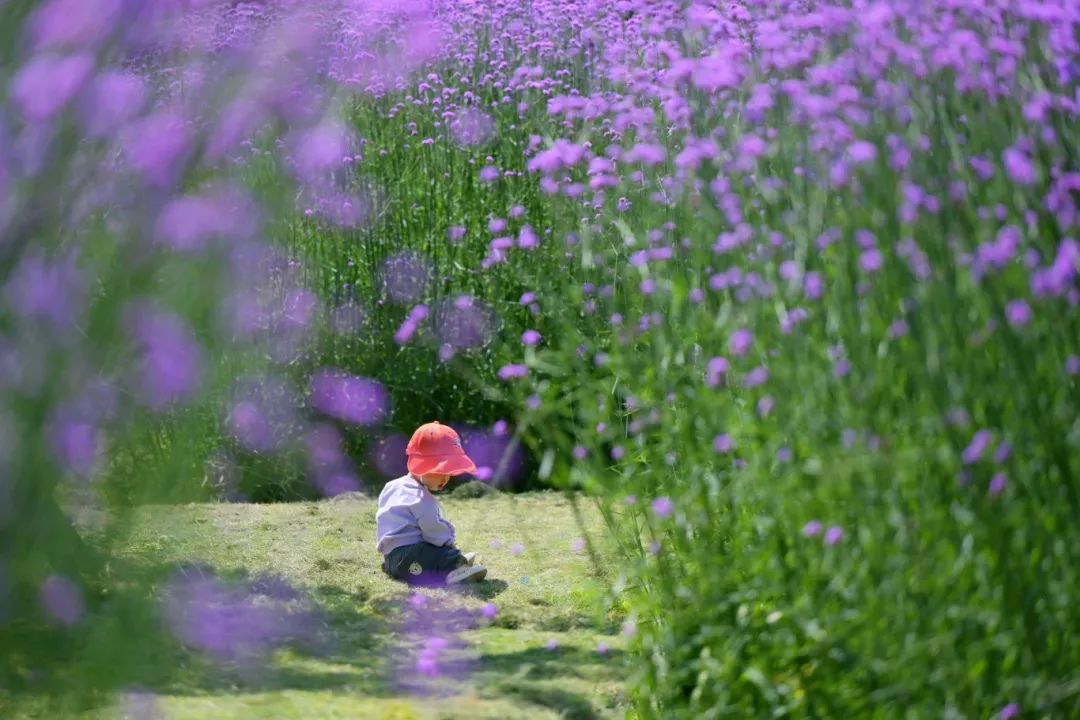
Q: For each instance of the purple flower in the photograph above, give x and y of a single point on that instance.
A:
(411, 324)
(50, 291)
(983, 167)
(489, 174)
(579, 452)
(62, 600)
(646, 153)
(509, 372)
(602, 648)
(427, 661)
(715, 371)
(155, 146)
(722, 443)
(552, 644)
(350, 398)
(336, 483)
(76, 444)
(1072, 365)
(998, 252)
(1058, 279)
(317, 151)
(228, 622)
(530, 337)
(46, 83)
(749, 147)
(662, 507)
(1019, 166)
(489, 611)
(862, 152)
(813, 285)
(871, 260)
(765, 406)
(171, 360)
(975, 449)
(324, 451)
(527, 238)
(755, 377)
(1009, 711)
(834, 535)
(74, 23)
(997, 484)
(1004, 450)
(517, 549)
(347, 319)
(387, 454)
(783, 455)
(114, 98)
(812, 528)
(463, 322)
(740, 342)
(1018, 313)
(455, 233)
(499, 459)
(578, 545)
(188, 222)
(405, 276)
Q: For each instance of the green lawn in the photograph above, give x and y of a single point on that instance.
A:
(544, 591)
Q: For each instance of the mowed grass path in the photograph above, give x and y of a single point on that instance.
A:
(542, 588)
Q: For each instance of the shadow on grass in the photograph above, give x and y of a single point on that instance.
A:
(570, 706)
(486, 589)
(539, 676)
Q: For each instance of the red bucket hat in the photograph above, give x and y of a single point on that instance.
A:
(436, 448)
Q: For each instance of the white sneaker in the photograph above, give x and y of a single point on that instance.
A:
(466, 573)
(471, 558)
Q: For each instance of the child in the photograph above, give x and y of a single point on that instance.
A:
(416, 541)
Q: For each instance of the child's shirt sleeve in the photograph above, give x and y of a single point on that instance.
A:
(436, 529)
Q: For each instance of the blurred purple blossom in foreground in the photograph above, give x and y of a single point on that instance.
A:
(356, 400)
(171, 357)
(231, 621)
(62, 600)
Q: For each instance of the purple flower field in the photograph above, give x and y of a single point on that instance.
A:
(788, 288)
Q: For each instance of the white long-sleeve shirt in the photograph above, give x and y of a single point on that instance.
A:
(408, 513)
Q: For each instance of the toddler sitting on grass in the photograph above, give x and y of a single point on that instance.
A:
(416, 541)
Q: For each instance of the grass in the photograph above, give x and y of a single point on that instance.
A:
(326, 550)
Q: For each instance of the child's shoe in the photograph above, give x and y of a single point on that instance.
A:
(471, 558)
(466, 573)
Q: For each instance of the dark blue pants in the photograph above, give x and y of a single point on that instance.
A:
(422, 563)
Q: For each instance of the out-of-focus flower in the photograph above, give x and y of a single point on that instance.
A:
(662, 507)
(354, 399)
(62, 600)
